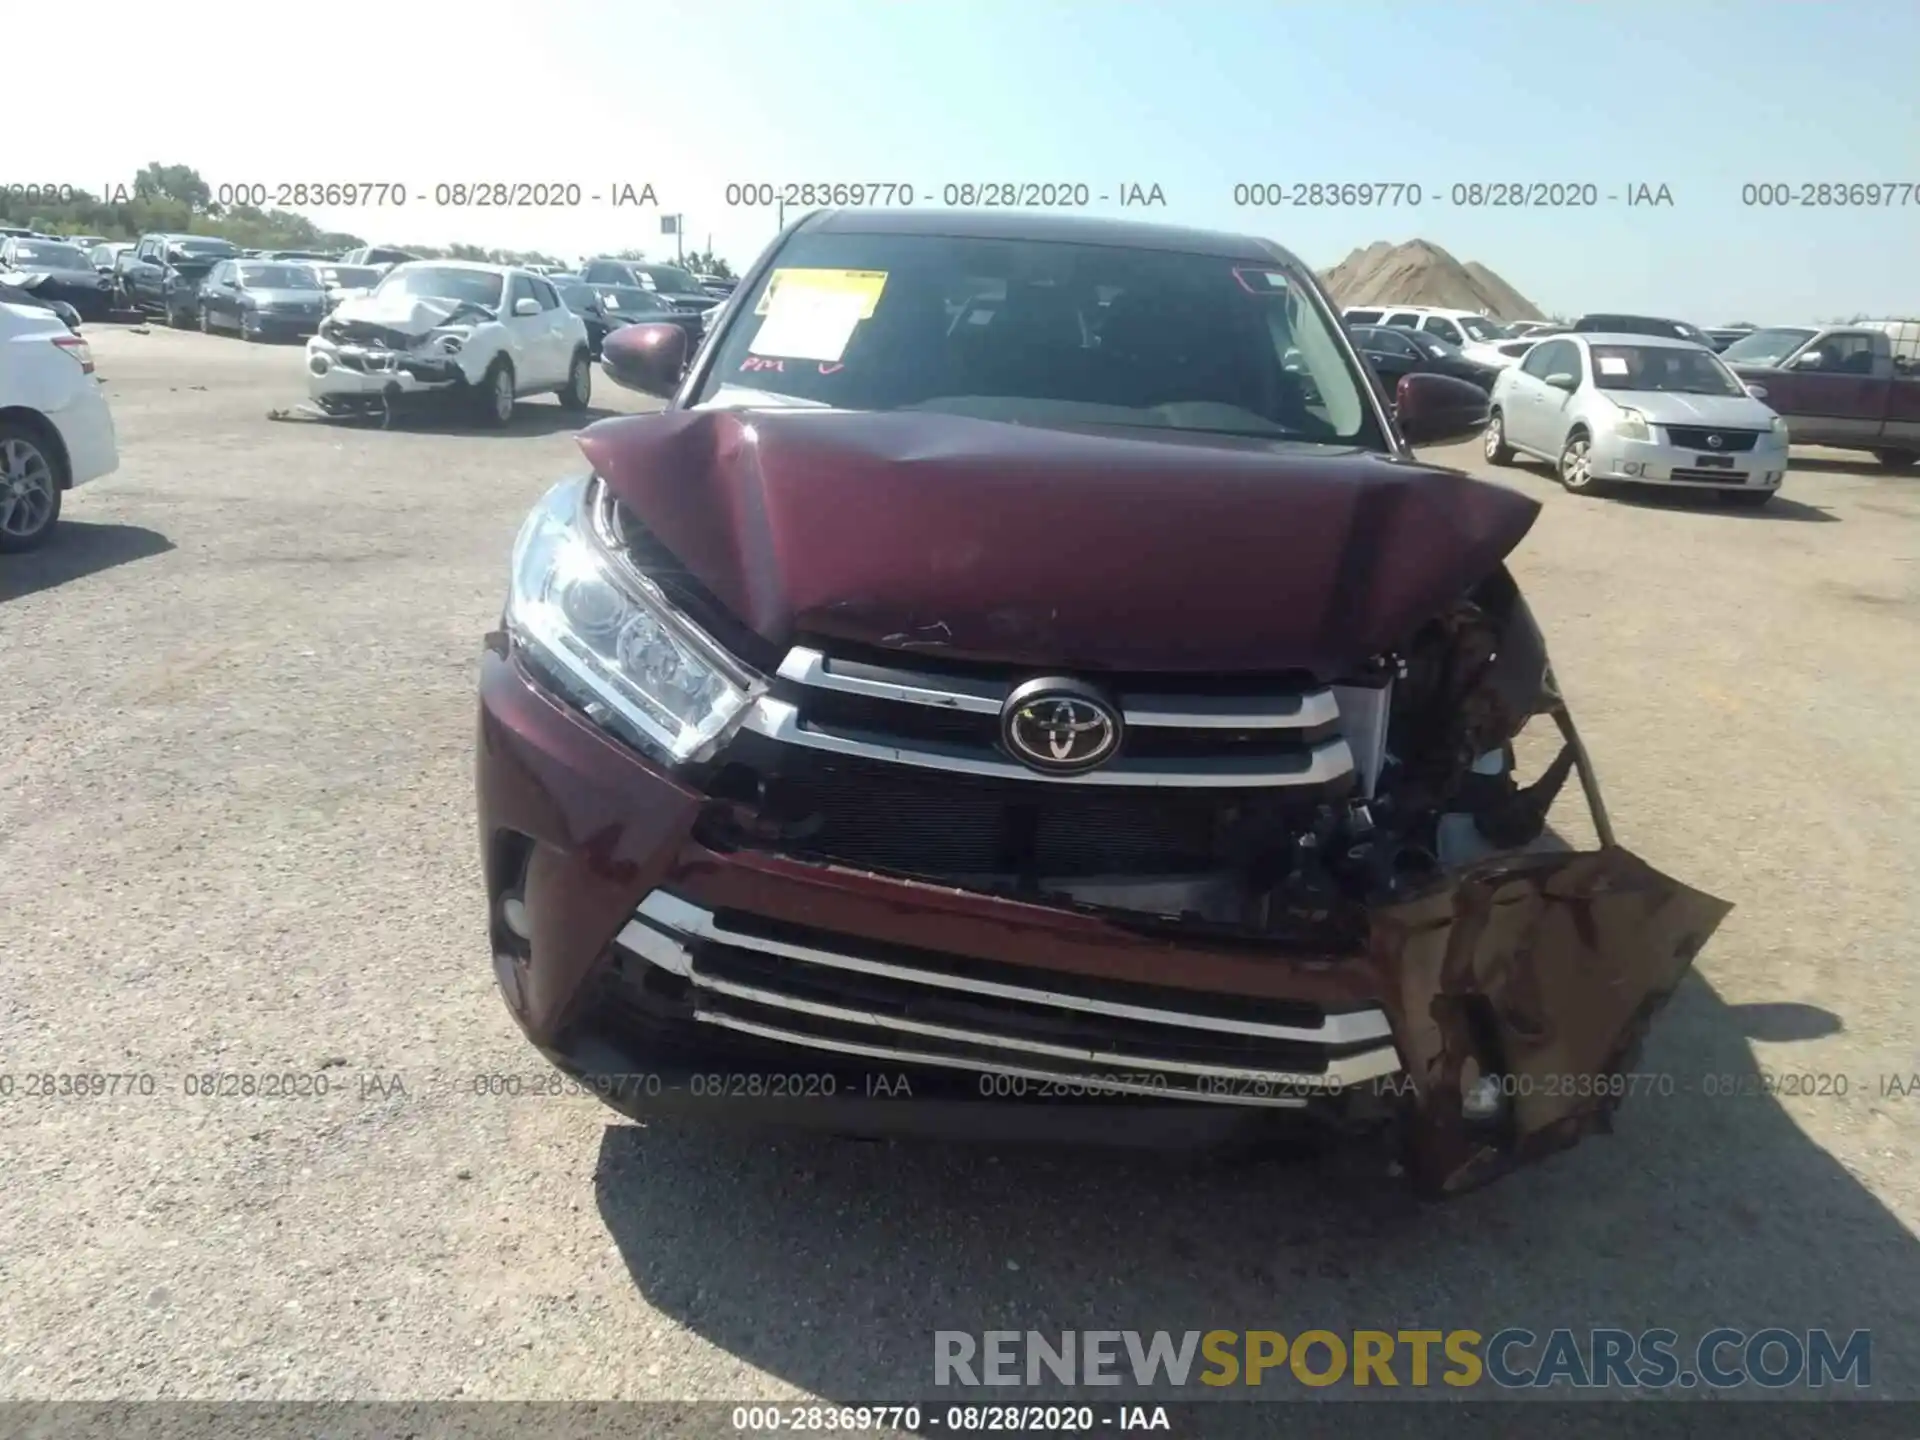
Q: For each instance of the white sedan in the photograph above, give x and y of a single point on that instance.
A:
(1637, 408)
(55, 429)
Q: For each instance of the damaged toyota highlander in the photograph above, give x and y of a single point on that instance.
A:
(1026, 663)
(450, 332)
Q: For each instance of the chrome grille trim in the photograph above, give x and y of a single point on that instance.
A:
(1348, 1070)
(1309, 710)
(955, 1062)
(1328, 761)
(664, 921)
(673, 913)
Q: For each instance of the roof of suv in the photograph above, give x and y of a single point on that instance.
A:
(1623, 337)
(1031, 225)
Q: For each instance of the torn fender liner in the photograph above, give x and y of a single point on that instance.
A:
(1057, 548)
(1554, 963)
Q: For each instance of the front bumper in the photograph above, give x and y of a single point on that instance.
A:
(1654, 462)
(273, 325)
(370, 373)
(671, 976)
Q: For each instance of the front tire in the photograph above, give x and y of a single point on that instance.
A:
(32, 481)
(1495, 446)
(177, 319)
(495, 399)
(577, 393)
(1575, 470)
(206, 321)
(1897, 459)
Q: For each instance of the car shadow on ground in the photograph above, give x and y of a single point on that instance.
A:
(1781, 507)
(830, 1264)
(75, 549)
(1862, 469)
(530, 417)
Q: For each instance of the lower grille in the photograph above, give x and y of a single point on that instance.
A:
(803, 988)
(1712, 477)
(1693, 437)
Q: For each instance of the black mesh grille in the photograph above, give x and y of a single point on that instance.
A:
(915, 820)
(1690, 437)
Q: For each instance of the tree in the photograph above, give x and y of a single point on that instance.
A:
(705, 262)
(181, 183)
(628, 255)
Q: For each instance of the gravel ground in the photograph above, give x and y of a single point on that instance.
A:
(237, 834)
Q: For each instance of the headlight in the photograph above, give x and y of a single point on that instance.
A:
(1780, 426)
(1631, 424)
(611, 639)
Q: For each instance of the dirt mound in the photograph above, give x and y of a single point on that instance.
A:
(1419, 272)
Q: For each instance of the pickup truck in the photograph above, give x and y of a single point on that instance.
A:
(162, 274)
(1847, 386)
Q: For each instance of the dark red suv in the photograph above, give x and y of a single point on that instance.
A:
(1024, 685)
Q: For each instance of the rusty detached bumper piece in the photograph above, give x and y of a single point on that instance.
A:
(1533, 979)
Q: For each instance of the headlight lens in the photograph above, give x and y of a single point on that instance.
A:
(613, 642)
(1780, 426)
(1631, 424)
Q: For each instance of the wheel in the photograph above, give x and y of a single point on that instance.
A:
(240, 328)
(1497, 451)
(32, 478)
(1746, 499)
(177, 319)
(1897, 459)
(578, 390)
(495, 398)
(206, 321)
(1575, 470)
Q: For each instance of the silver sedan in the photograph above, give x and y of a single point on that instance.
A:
(1639, 409)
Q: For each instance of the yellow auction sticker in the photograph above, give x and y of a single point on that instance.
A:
(867, 284)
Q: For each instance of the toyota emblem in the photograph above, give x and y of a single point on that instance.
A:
(1059, 727)
(1715, 441)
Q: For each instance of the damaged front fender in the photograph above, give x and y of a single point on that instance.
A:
(1538, 975)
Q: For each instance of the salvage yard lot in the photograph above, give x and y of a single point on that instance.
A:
(237, 835)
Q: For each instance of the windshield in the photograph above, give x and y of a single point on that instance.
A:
(1766, 347)
(278, 277)
(52, 257)
(202, 246)
(444, 282)
(1042, 332)
(1669, 368)
(1478, 328)
(350, 277)
(671, 281)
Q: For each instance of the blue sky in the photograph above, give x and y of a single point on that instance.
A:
(1194, 96)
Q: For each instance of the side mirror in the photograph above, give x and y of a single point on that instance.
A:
(647, 357)
(1812, 360)
(526, 305)
(1560, 380)
(1758, 392)
(1433, 409)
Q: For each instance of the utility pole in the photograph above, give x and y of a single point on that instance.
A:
(783, 213)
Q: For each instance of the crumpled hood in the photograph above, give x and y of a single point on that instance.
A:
(416, 315)
(976, 539)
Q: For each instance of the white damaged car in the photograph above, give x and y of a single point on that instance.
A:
(454, 331)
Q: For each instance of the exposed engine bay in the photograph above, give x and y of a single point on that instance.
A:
(1434, 787)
